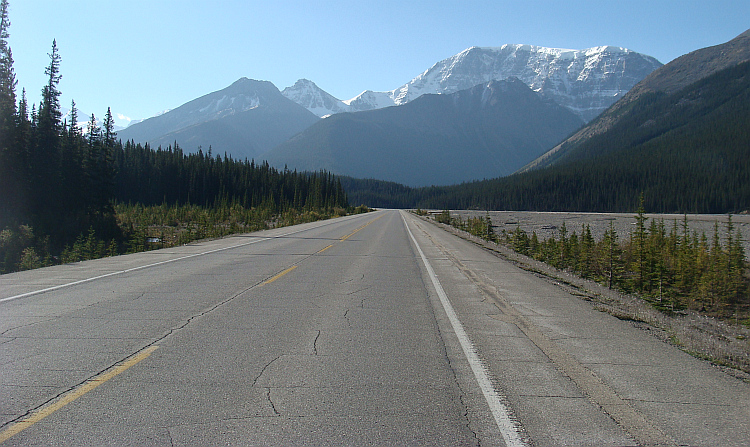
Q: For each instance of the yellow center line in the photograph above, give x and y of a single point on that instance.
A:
(359, 229)
(75, 393)
(321, 251)
(279, 275)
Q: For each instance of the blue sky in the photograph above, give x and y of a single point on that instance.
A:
(143, 56)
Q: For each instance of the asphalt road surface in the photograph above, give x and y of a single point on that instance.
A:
(376, 329)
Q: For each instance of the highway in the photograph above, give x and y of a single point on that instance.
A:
(374, 329)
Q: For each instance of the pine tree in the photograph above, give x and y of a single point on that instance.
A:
(736, 264)
(9, 160)
(71, 167)
(7, 81)
(586, 252)
(91, 164)
(612, 267)
(50, 114)
(45, 159)
(638, 240)
(106, 165)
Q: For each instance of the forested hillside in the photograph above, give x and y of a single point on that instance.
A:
(60, 184)
(687, 152)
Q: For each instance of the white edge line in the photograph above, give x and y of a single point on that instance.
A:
(50, 289)
(499, 410)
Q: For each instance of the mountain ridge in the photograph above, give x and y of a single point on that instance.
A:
(245, 119)
(567, 76)
(482, 132)
(679, 73)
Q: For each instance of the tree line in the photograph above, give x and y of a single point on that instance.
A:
(70, 192)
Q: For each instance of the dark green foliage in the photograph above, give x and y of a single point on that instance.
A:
(444, 217)
(673, 271)
(153, 177)
(379, 193)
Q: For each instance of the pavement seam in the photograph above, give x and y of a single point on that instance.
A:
(72, 394)
(462, 394)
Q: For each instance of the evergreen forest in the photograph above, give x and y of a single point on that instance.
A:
(69, 193)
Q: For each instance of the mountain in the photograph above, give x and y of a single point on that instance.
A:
(487, 131)
(245, 120)
(121, 121)
(584, 81)
(305, 93)
(670, 78)
(686, 152)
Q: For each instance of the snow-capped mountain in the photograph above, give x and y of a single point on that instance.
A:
(584, 81)
(305, 93)
(245, 119)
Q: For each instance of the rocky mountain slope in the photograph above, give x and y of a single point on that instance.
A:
(584, 81)
(676, 75)
(307, 94)
(487, 131)
(245, 119)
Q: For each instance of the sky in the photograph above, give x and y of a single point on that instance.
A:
(141, 57)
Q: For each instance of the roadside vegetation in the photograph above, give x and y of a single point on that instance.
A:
(692, 288)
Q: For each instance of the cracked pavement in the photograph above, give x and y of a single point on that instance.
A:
(349, 347)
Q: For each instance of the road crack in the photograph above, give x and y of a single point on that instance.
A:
(263, 370)
(315, 343)
(270, 401)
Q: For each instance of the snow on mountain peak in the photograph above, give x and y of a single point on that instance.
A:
(314, 99)
(585, 81)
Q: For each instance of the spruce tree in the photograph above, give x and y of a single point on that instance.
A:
(638, 240)
(71, 172)
(9, 161)
(612, 267)
(45, 159)
(7, 81)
